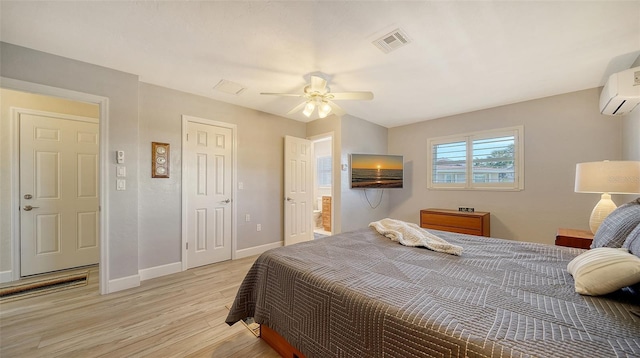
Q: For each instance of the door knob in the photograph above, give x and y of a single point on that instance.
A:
(29, 207)
(226, 201)
(289, 199)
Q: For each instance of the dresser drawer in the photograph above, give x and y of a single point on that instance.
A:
(476, 223)
(451, 221)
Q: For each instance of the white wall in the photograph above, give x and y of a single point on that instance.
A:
(560, 131)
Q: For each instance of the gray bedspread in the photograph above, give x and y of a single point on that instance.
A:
(359, 294)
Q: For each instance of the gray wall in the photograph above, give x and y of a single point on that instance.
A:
(360, 136)
(260, 169)
(559, 132)
(145, 229)
(631, 135)
(631, 143)
(122, 90)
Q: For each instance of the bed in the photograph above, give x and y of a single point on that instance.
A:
(359, 294)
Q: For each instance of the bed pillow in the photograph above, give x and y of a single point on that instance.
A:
(604, 270)
(617, 226)
(632, 243)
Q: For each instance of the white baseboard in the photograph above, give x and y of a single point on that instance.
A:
(158, 271)
(123, 283)
(6, 276)
(256, 250)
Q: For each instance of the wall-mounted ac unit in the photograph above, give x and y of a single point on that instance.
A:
(621, 93)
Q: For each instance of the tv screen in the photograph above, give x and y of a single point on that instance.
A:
(377, 171)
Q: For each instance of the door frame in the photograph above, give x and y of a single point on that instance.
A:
(234, 179)
(16, 112)
(103, 178)
(334, 170)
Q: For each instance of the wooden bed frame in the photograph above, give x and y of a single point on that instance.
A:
(278, 343)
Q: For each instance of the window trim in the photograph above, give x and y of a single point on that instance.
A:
(517, 185)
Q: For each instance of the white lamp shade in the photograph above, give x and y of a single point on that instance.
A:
(613, 177)
(607, 177)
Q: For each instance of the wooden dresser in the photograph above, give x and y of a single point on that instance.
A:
(326, 213)
(476, 223)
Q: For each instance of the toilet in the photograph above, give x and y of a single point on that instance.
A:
(317, 218)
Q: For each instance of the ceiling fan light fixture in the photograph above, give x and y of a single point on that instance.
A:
(308, 109)
(324, 110)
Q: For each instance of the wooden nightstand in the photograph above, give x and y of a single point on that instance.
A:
(574, 238)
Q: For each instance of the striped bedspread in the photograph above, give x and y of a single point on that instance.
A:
(359, 294)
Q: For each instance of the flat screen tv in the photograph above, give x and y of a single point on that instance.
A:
(377, 171)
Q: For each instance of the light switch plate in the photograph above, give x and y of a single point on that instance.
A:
(121, 184)
(121, 172)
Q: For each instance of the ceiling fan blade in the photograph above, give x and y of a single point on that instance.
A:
(335, 109)
(297, 108)
(352, 95)
(318, 84)
(283, 94)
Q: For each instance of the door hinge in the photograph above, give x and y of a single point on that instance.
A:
(187, 246)
(187, 137)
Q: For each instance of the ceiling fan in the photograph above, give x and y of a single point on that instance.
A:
(318, 95)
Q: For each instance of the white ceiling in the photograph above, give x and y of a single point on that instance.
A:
(464, 56)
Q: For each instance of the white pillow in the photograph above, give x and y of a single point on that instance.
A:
(604, 270)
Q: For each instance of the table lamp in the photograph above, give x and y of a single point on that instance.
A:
(606, 177)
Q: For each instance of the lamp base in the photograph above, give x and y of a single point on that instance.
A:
(604, 207)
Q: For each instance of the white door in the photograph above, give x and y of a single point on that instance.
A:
(58, 192)
(298, 190)
(208, 175)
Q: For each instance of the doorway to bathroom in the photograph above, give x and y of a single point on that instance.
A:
(322, 185)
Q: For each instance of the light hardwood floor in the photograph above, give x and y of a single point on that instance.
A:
(179, 315)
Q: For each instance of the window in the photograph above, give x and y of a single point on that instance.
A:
(481, 160)
(324, 171)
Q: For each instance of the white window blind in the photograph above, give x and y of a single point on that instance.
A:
(323, 167)
(479, 160)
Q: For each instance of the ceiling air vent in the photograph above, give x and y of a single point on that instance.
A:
(229, 87)
(391, 41)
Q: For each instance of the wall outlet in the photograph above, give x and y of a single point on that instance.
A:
(247, 217)
(259, 227)
(121, 184)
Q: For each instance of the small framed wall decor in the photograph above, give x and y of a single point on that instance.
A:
(159, 160)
